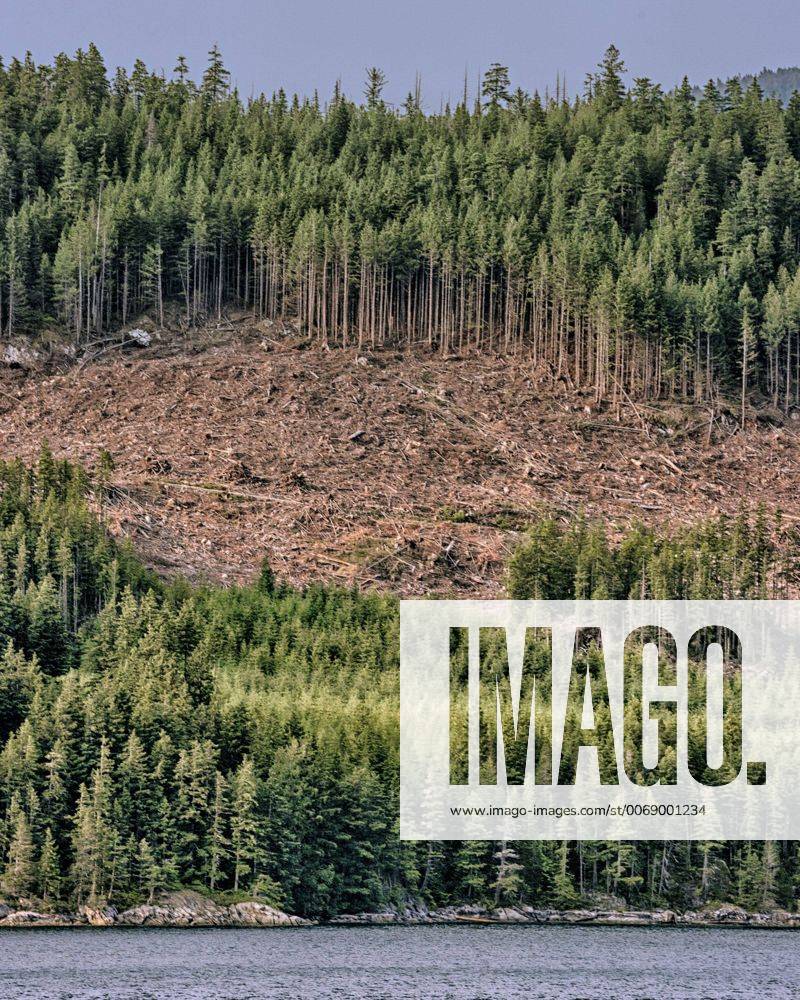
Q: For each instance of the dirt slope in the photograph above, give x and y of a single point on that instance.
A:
(409, 473)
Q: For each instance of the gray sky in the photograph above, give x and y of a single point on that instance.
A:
(307, 44)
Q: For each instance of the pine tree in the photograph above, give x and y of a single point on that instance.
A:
(19, 875)
(48, 869)
(245, 846)
(70, 183)
(181, 70)
(149, 871)
(219, 842)
(469, 864)
(376, 81)
(152, 278)
(195, 774)
(216, 77)
(610, 88)
(496, 84)
(747, 340)
(508, 881)
(564, 894)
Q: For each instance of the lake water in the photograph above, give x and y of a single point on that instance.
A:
(537, 963)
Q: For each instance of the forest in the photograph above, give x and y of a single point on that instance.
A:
(780, 83)
(244, 740)
(638, 242)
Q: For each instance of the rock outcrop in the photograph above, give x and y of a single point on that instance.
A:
(725, 916)
(190, 909)
(20, 356)
(103, 916)
(734, 916)
(185, 908)
(32, 918)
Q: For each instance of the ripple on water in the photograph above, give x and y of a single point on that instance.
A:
(462, 963)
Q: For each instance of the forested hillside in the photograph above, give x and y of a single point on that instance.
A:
(638, 242)
(780, 83)
(244, 740)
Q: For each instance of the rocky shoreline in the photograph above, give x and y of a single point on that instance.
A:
(187, 908)
(723, 916)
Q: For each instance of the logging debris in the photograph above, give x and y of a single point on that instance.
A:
(406, 472)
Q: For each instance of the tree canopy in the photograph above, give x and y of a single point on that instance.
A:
(636, 241)
(245, 740)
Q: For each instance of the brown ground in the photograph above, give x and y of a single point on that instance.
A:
(410, 473)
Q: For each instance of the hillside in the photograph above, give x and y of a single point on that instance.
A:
(647, 242)
(780, 83)
(407, 473)
(244, 740)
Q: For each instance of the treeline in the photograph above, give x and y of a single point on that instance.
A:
(742, 558)
(779, 83)
(633, 240)
(244, 740)
(239, 740)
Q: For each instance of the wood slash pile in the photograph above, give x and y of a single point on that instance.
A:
(412, 473)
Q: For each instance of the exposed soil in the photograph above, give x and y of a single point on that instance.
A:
(407, 472)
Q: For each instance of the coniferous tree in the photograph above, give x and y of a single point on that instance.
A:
(19, 875)
(48, 869)
(611, 237)
(169, 744)
(219, 842)
(245, 849)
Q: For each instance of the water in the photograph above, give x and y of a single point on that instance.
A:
(537, 963)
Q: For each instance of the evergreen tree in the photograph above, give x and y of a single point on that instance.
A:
(19, 875)
(508, 880)
(48, 869)
(168, 745)
(216, 77)
(220, 843)
(245, 848)
(496, 84)
(376, 81)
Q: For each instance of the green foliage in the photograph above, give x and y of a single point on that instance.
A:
(244, 740)
(722, 559)
(611, 236)
(58, 567)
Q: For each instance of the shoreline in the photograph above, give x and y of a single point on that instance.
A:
(189, 909)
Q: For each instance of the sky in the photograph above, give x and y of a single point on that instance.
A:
(305, 45)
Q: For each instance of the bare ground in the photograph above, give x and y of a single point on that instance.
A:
(411, 473)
